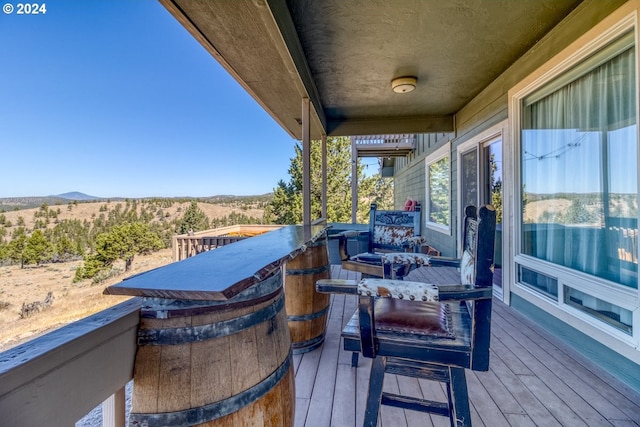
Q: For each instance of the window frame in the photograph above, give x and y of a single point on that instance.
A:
(437, 155)
(590, 44)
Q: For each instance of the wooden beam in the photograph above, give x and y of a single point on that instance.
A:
(282, 18)
(390, 125)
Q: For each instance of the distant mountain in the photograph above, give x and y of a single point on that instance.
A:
(76, 195)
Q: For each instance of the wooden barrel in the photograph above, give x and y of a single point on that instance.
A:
(211, 363)
(307, 310)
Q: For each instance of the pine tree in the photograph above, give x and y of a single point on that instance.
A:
(286, 204)
(122, 242)
(37, 248)
(194, 219)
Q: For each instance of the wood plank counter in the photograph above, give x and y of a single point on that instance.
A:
(221, 274)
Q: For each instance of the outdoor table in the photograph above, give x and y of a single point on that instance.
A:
(214, 345)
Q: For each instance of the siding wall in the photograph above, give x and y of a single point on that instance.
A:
(486, 110)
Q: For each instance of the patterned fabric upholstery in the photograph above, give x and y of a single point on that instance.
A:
(391, 235)
(406, 258)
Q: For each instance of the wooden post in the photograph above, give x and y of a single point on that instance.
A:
(354, 181)
(324, 176)
(306, 162)
(113, 410)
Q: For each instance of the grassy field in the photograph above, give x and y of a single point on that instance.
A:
(73, 301)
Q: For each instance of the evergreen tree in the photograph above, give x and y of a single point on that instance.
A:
(286, 204)
(37, 248)
(15, 249)
(194, 219)
(122, 242)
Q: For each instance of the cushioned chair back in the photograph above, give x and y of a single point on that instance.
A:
(388, 230)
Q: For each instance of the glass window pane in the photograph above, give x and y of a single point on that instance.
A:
(439, 191)
(537, 281)
(493, 154)
(606, 312)
(469, 184)
(579, 172)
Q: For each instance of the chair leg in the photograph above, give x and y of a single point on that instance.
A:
(354, 359)
(374, 395)
(459, 398)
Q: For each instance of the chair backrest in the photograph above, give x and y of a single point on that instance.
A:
(476, 268)
(476, 265)
(390, 230)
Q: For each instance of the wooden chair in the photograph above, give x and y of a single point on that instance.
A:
(432, 331)
(389, 231)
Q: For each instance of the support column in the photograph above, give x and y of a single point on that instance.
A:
(324, 176)
(354, 181)
(306, 162)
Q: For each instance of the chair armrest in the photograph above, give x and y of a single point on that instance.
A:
(337, 286)
(439, 261)
(456, 292)
(402, 289)
(399, 289)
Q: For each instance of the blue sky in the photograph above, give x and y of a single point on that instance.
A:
(115, 98)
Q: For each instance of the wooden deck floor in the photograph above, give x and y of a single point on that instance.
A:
(534, 380)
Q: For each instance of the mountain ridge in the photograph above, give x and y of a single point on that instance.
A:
(76, 195)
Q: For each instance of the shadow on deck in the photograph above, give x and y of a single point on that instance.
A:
(534, 380)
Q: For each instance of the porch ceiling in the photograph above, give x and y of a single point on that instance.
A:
(344, 54)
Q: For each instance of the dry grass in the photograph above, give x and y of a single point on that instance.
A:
(72, 301)
(89, 211)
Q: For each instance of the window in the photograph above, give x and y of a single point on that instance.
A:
(468, 179)
(438, 180)
(606, 312)
(578, 167)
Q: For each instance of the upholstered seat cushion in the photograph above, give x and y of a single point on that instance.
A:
(413, 317)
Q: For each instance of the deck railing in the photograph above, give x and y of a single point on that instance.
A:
(58, 378)
(188, 245)
(384, 145)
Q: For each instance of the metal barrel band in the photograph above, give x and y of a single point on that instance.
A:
(184, 335)
(161, 308)
(309, 271)
(310, 316)
(318, 241)
(308, 345)
(213, 411)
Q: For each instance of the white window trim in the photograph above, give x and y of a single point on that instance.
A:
(491, 134)
(437, 155)
(612, 27)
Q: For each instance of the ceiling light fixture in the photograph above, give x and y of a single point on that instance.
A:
(404, 84)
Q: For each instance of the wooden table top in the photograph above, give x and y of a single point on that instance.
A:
(222, 273)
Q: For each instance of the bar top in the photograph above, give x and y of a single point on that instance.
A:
(224, 272)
